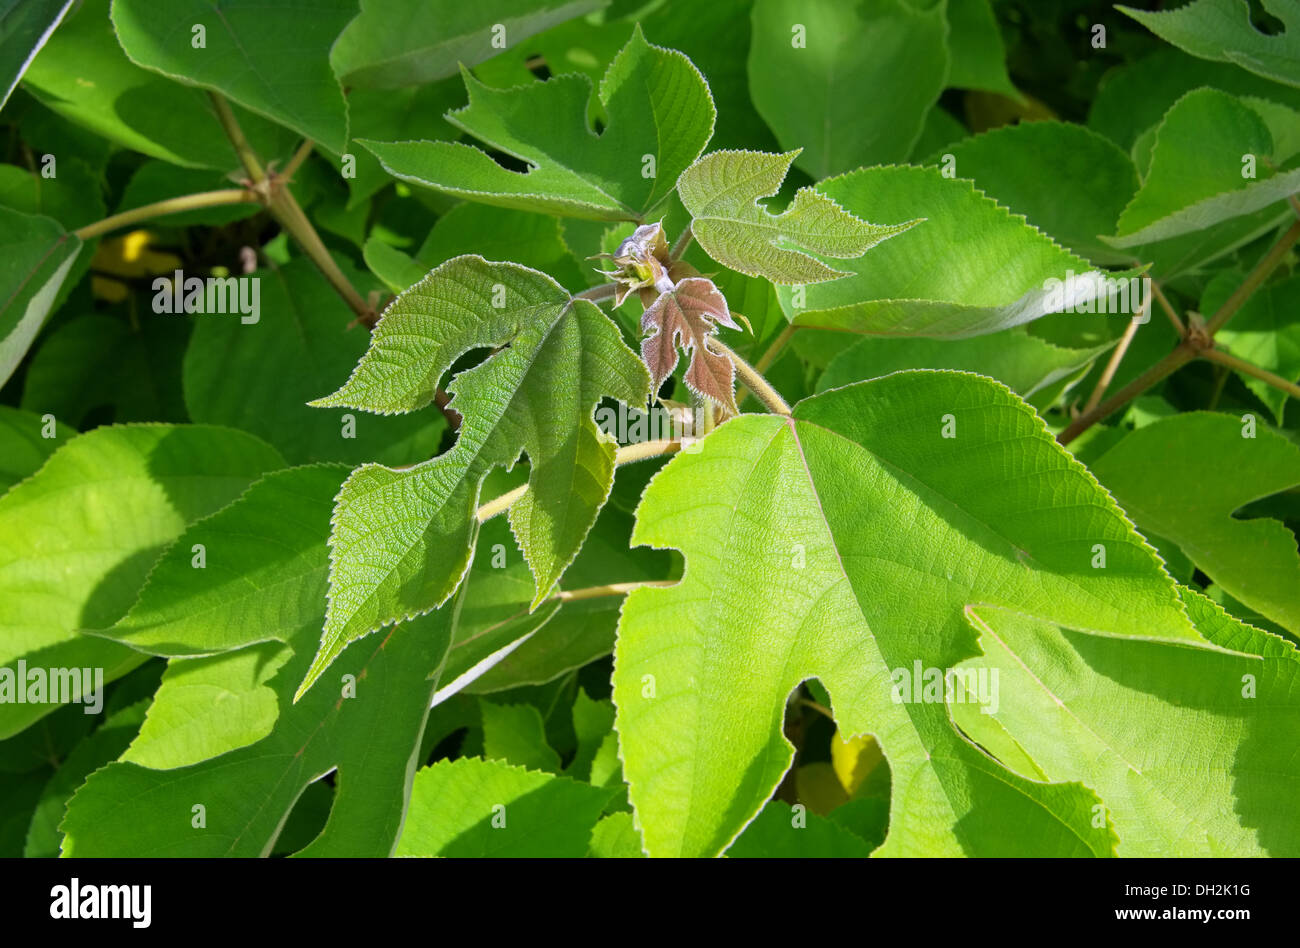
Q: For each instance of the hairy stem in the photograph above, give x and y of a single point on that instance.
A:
(186, 202)
(1261, 272)
(681, 244)
(628, 454)
(597, 294)
(1161, 370)
(1241, 365)
(750, 376)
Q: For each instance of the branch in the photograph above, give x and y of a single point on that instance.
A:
(1112, 365)
(1162, 369)
(1169, 310)
(1241, 365)
(1267, 264)
(761, 388)
(247, 157)
(609, 589)
(176, 205)
(302, 154)
(628, 454)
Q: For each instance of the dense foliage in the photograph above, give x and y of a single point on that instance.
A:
(607, 427)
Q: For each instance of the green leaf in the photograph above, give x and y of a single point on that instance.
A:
(1068, 181)
(206, 707)
(35, 256)
(98, 749)
(252, 572)
(392, 43)
(849, 83)
(1189, 749)
(722, 191)
(475, 808)
(78, 538)
(83, 75)
(514, 733)
(499, 644)
(244, 56)
(971, 268)
(778, 833)
(25, 26)
(1197, 176)
(1133, 98)
(870, 534)
(979, 60)
(562, 353)
(659, 118)
(302, 323)
(1225, 463)
(1264, 332)
(615, 837)
(96, 362)
(1024, 363)
(372, 738)
(24, 446)
(1222, 30)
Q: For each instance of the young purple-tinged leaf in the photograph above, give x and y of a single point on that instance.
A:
(688, 315)
(722, 191)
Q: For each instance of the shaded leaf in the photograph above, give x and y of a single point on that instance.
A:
(853, 88)
(244, 56)
(392, 43)
(1225, 465)
(476, 808)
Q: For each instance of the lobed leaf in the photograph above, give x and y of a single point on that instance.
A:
(402, 539)
(845, 544)
(722, 191)
(1231, 462)
(1222, 30)
(659, 118)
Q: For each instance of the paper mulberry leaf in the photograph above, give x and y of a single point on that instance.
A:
(1195, 178)
(870, 535)
(403, 539)
(972, 268)
(1221, 30)
(245, 56)
(474, 808)
(392, 43)
(1189, 749)
(722, 191)
(78, 538)
(35, 257)
(689, 315)
(660, 117)
(1226, 462)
